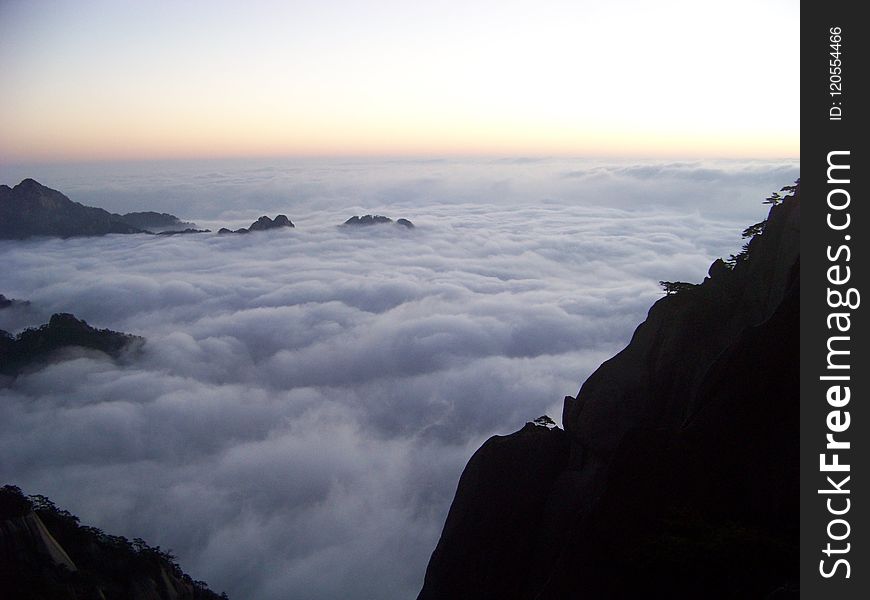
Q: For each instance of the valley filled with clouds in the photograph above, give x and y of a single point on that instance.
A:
(298, 418)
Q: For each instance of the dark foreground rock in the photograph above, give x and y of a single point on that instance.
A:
(36, 346)
(488, 545)
(678, 474)
(46, 554)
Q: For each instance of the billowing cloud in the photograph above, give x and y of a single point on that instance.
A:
(297, 421)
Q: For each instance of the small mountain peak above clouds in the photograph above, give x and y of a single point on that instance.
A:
(365, 220)
(36, 346)
(282, 221)
(264, 223)
(11, 302)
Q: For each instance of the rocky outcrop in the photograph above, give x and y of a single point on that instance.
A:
(678, 475)
(366, 220)
(264, 223)
(46, 553)
(31, 209)
(36, 346)
(27, 534)
(488, 547)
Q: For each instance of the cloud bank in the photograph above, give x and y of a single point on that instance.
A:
(306, 400)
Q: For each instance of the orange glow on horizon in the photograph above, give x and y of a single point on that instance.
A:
(119, 81)
(199, 141)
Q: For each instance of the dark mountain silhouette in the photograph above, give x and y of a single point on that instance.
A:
(31, 209)
(45, 553)
(677, 472)
(183, 231)
(365, 220)
(262, 224)
(10, 302)
(156, 222)
(35, 346)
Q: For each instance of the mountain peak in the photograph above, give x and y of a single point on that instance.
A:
(32, 209)
(34, 347)
(366, 220)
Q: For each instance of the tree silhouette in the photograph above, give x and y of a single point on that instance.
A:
(754, 230)
(773, 199)
(673, 287)
(792, 188)
(544, 421)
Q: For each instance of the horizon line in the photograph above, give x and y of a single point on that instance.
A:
(397, 157)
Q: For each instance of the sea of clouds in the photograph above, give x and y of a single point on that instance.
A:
(297, 420)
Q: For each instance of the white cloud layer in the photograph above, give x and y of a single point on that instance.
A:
(306, 400)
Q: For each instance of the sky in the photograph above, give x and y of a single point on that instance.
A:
(297, 420)
(96, 80)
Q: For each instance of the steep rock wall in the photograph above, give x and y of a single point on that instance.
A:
(678, 470)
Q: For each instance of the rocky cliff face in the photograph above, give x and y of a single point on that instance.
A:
(670, 352)
(27, 534)
(46, 554)
(677, 472)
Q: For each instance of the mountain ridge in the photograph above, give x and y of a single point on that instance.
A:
(678, 465)
(46, 553)
(31, 209)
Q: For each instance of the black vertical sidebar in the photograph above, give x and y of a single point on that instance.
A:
(835, 300)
